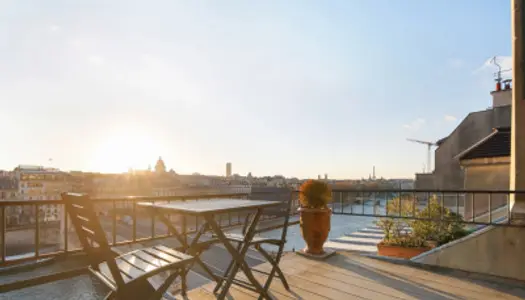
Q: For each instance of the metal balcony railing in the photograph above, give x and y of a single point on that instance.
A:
(475, 207)
(27, 235)
(36, 229)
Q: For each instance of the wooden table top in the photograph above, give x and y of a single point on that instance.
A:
(211, 206)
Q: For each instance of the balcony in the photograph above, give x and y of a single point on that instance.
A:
(354, 274)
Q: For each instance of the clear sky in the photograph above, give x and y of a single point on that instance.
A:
(297, 88)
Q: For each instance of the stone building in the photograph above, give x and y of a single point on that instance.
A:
(448, 173)
(486, 166)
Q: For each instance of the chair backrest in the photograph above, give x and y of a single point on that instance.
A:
(282, 211)
(90, 233)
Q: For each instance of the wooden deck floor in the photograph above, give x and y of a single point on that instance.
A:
(351, 276)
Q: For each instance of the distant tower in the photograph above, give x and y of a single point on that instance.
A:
(160, 167)
(318, 177)
(228, 169)
(325, 176)
(374, 173)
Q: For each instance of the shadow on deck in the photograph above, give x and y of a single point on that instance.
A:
(352, 276)
(343, 276)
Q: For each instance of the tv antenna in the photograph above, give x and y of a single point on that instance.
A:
(429, 146)
(499, 79)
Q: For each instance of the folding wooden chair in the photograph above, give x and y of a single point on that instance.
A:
(126, 275)
(282, 212)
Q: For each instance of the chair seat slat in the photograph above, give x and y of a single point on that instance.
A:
(129, 269)
(137, 262)
(161, 255)
(172, 252)
(150, 259)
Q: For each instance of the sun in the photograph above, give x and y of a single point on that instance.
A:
(125, 148)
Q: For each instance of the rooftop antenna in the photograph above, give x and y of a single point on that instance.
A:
(494, 61)
(429, 145)
(499, 79)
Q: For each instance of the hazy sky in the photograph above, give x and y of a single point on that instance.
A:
(297, 88)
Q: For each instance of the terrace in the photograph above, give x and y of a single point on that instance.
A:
(37, 266)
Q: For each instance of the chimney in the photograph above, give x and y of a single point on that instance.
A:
(502, 96)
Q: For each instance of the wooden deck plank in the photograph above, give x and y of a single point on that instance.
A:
(349, 285)
(200, 293)
(434, 281)
(278, 291)
(302, 289)
(351, 276)
(296, 283)
(357, 286)
(404, 279)
(305, 267)
(233, 292)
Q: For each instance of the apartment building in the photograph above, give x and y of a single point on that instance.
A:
(39, 183)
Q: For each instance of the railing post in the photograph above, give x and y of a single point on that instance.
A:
(442, 208)
(2, 233)
(153, 223)
(184, 229)
(66, 228)
(414, 200)
(429, 215)
(134, 226)
(363, 203)
(341, 201)
(473, 208)
(490, 207)
(457, 205)
(114, 223)
(37, 231)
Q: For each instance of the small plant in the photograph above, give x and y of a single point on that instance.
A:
(395, 229)
(408, 241)
(441, 226)
(315, 194)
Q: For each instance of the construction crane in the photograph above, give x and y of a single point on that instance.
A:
(429, 145)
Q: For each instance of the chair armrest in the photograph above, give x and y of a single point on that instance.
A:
(103, 278)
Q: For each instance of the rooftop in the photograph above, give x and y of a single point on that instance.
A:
(496, 144)
(355, 272)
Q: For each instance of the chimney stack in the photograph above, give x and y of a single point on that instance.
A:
(502, 96)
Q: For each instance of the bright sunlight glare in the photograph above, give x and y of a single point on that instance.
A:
(126, 148)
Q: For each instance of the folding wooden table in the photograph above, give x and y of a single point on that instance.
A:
(208, 209)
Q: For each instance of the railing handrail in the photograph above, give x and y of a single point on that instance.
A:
(444, 191)
(128, 198)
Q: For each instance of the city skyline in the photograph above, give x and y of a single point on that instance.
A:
(300, 89)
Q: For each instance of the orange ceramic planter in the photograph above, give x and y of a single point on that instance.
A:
(315, 226)
(399, 251)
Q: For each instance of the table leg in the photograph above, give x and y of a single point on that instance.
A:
(192, 249)
(238, 257)
(187, 247)
(228, 269)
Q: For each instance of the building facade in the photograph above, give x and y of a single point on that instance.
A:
(486, 166)
(39, 183)
(448, 173)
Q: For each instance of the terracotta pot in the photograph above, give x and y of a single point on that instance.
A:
(400, 251)
(315, 226)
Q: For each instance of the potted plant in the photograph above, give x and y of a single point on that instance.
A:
(315, 215)
(405, 238)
